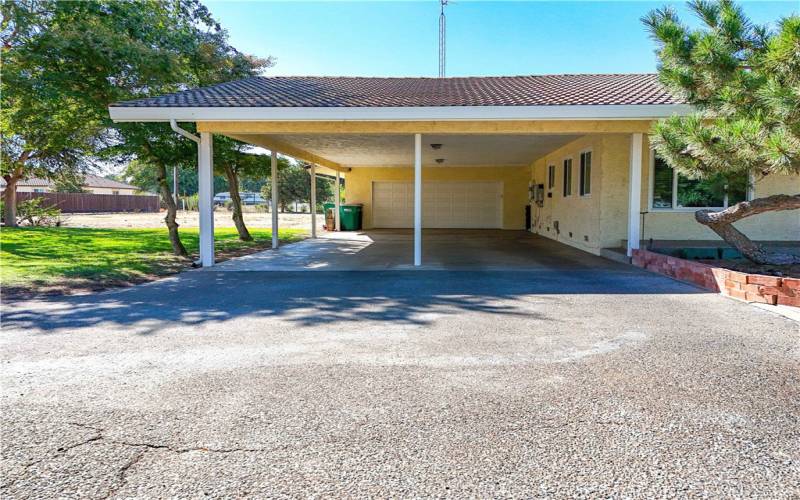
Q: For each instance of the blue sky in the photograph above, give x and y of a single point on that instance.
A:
(484, 38)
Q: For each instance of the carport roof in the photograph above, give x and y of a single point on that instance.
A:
(347, 92)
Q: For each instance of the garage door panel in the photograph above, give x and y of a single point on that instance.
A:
(471, 205)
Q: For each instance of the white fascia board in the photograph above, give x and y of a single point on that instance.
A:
(438, 113)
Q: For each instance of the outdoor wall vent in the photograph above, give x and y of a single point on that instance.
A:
(439, 160)
(436, 146)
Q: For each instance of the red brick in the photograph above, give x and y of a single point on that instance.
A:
(764, 299)
(738, 277)
(793, 283)
(771, 290)
(752, 288)
(778, 290)
(732, 285)
(788, 301)
(719, 275)
(737, 294)
(760, 279)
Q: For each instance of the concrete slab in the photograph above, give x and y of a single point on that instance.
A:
(489, 250)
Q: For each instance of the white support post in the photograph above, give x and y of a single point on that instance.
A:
(417, 199)
(313, 200)
(205, 195)
(635, 194)
(338, 201)
(274, 203)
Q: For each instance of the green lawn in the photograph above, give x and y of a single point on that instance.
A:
(31, 257)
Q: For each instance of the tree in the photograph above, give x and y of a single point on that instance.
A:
(69, 182)
(144, 177)
(208, 59)
(65, 62)
(234, 160)
(294, 184)
(744, 81)
(216, 62)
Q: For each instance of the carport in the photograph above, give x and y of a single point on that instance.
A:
(451, 153)
(442, 249)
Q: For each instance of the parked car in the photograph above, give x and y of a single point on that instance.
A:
(248, 198)
(221, 198)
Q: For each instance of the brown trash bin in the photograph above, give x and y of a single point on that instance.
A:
(330, 220)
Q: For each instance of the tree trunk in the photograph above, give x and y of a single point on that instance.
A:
(172, 210)
(722, 224)
(10, 192)
(10, 201)
(236, 204)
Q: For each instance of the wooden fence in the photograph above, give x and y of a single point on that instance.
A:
(87, 202)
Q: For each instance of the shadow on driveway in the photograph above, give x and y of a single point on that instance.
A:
(306, 299)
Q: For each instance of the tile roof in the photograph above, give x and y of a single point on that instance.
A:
(94, 181)
(102, 182)
(315, 91)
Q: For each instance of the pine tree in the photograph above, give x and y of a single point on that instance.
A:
(744, 81)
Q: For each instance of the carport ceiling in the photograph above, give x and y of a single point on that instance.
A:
(394, 150)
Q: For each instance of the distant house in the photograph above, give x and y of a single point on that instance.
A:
(91, 184)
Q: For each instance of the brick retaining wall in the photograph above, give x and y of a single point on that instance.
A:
(749, 287)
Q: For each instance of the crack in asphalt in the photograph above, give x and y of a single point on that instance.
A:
(122, 473)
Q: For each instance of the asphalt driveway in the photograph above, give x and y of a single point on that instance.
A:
(549, 382)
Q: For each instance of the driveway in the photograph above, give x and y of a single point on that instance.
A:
(442, 249)
(542, 382)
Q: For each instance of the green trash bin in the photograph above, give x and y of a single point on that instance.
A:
(350, 215)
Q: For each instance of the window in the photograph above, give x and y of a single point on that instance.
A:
(38, 190)
(551, 176)
(671, 190)
(586, 173)
(568, 177)
(114, 192)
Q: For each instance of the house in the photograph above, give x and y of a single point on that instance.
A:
(92, 184)
(564, 156)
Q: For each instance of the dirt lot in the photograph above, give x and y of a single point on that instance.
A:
(222, 218)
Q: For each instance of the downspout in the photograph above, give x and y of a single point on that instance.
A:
(185, 133)
(174, 125)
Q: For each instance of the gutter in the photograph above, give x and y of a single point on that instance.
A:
(422, 113)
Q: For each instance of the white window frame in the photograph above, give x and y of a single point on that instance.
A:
(580, 173)
(675, 208)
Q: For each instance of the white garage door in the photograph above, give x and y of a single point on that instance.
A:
(469, 205)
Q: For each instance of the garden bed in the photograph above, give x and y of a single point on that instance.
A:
(747, 286)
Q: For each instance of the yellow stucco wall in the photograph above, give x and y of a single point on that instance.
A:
(777, 226)
(358, 186)
(601, 221)
(576, 214)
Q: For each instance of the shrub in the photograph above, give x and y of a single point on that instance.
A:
(190, 202)
(32, 212)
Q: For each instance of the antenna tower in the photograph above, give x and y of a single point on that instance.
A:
(442, 37)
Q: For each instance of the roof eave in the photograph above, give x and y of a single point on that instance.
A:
(431, 113)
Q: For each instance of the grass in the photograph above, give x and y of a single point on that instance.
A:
(34, 258)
